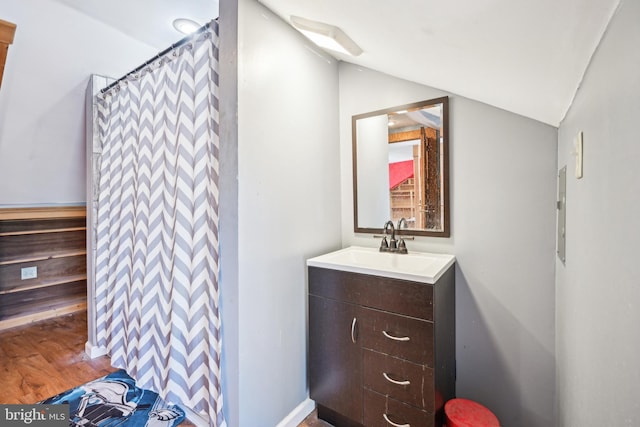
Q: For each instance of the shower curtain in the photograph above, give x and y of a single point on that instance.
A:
(157, 228)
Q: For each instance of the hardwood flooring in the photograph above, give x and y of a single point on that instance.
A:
(45, 358)
(313, 421)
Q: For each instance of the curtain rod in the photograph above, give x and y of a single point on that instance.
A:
(177, 44)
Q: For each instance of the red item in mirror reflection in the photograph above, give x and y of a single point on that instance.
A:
(399, 172)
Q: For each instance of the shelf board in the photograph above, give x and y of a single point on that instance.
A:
(45, 284)
(48, 255)
(33, 301)
(43, 231)
(43, 212)
(73, 306)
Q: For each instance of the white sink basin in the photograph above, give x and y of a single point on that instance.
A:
(417, 266)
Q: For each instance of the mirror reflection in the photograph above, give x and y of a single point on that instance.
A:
(400, 168)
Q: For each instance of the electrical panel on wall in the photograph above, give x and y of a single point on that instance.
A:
(562, 205)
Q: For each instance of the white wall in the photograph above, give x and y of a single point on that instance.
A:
(288, 205)
(228, 209)
(503, 220)
(42, 152)
(597, 291)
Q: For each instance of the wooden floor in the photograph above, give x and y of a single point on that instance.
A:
(313, 421)
(43, 359)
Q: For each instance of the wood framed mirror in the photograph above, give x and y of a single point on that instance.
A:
(401, 168)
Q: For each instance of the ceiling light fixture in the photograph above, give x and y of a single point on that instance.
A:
(326, 36)
(186, 26)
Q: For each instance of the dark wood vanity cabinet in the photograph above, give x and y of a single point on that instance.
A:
(336, 371)
(381, 350)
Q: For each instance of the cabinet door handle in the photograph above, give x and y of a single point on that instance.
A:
(391, 380)
(386, 418)
(353, 330)
(391, 337)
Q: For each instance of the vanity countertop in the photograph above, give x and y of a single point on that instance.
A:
(416, 266)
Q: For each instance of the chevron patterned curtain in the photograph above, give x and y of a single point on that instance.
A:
(157, 232)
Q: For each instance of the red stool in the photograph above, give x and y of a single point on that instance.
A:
(467, 413)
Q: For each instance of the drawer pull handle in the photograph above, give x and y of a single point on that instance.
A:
(353, 330)
(391, 380)
(391, 337)
(394, 424)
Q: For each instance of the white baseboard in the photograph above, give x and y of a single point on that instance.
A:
(296, 416)
(94, 351)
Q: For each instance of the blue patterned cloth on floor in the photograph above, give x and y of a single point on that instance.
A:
(114, 400)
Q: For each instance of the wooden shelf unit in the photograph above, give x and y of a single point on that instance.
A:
(403, 202)
(54, 241)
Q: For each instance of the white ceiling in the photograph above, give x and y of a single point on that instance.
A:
(149, 21)
(525, 56)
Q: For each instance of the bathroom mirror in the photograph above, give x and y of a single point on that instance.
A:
(401, 168)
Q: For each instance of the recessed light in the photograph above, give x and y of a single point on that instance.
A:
(326, 36)
(186, 26)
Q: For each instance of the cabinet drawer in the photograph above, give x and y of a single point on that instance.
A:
(377, 407)
(398, 296)
(399, 336)
(399, 379)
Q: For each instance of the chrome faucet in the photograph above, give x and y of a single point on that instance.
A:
(402, 247)
(392, 246)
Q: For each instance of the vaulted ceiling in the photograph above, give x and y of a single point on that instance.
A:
(524, 56)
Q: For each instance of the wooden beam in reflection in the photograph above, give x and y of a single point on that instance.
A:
(411, 135)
